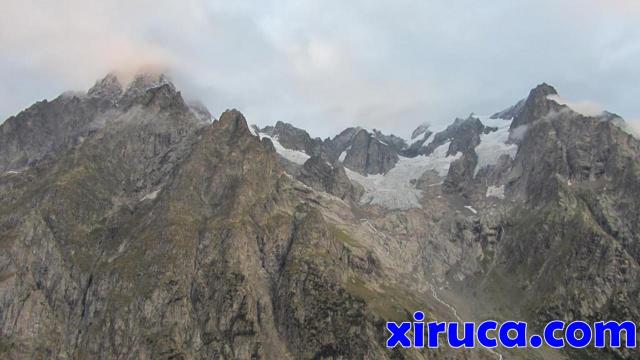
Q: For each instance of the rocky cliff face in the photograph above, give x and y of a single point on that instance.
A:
(294, 138)
(363, 151)
(134, 227)
(330, 178)
(535, 107)
(576, 175)
(368, 155)
(564, 249)
(49, 128)
(160, 236)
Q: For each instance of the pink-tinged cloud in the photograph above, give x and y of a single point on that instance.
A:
(83, 39)
(326, 64)
(628, 7)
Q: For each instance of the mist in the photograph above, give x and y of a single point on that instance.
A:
(586, 108)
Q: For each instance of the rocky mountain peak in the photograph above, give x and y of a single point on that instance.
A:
(368, 155)
(462, 133)
(50, 127)
(294, 138)
(421, 129)
(146, 81)
(108, 87)
(397, 143)
(152, 90)
(234, 122)
(145, 88)
(543, 89)
(510, 112)
(536, 106)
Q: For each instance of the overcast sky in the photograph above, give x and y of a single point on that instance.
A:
(325, 65)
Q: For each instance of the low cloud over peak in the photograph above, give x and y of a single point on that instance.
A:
(586, 108)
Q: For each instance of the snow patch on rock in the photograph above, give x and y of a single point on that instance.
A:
(395, 189)
(13, 172)
(343, 155)
(495, 191)
(295, 156)
(423, 138)
(494, 144)
(150, 196)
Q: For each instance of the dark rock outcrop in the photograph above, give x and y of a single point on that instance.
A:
(109, 88)
(341, 142)
(419, 138)
(368, 155)
(536, 106)
(396, 143)
(293, 138)
(464, 135)
(420, 130)
(50, 128)
(331, 178)
(510, 112)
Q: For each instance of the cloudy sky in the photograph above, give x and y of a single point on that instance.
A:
(325, 65)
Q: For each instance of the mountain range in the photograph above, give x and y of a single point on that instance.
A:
(135, 225)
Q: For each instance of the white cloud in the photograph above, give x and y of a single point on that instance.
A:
(634, 127)
(80, 40)
(330, 64)
(586, 108)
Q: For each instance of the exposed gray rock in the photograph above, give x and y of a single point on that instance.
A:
(567, 249)
(368, 155)
(416, 146)
(330, 178)
(293, 138)
(109, 88)
(144, 82)
(464, 135)
(420, 130)
(48, 128)
(510, 112)
(536, 106)
(396, 143)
